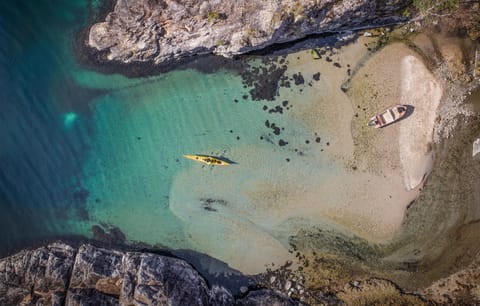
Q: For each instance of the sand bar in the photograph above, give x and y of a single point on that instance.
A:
(359, 180)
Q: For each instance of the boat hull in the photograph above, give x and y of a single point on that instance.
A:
(388, 116)
(207, 159)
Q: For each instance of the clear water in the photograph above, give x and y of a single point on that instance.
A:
(79, 148)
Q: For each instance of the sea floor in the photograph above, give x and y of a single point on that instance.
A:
(293, 169)
(83, 149)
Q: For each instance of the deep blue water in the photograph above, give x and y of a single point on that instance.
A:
(40, 158)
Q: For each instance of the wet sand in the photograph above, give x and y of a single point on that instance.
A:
(357, 180)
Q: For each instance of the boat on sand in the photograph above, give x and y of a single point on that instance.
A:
(207, 159)
(389, 116)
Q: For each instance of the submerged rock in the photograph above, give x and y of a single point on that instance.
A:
(60, 274)
(158, 31)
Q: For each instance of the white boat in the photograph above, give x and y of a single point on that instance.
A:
(389, 116)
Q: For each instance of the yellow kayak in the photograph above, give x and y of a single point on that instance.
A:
(206, 159)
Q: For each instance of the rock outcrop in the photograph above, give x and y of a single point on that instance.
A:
(60, 274)
(162, 30)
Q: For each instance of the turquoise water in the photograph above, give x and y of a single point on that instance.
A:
(80, 148)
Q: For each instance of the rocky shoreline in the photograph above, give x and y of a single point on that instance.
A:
(60, 274)
(150, 37)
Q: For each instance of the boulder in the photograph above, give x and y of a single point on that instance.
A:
(60, 274)
(159, 31)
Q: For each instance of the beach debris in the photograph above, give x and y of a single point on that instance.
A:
(476, 147)
(475, 66)
(315, 54)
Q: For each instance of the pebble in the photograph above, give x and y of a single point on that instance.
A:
(272, 279)
(243, 289)
(288, 285)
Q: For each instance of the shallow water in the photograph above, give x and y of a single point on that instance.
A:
(79, 148)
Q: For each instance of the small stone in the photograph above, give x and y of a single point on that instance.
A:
(288, 285)
(243, 289)
(272, 279)
(476, 147)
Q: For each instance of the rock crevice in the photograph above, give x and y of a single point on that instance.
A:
(60, 274)
(164, 30)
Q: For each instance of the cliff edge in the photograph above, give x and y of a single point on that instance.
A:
(60, 274)
(165, 30)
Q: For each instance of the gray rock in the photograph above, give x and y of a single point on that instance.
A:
(158, 31)
(62, 275)
(476, 147)
(266, 298)
(40, 275)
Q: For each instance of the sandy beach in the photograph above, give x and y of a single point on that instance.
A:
(358, 181)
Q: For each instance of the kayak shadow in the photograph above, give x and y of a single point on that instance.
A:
(231, 162)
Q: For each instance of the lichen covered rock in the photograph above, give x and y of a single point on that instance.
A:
(159, 31)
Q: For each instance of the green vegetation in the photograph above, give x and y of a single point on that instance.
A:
(315, 54)
(214, 16)
(435, 7)
(297, 10)
(248, 35)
